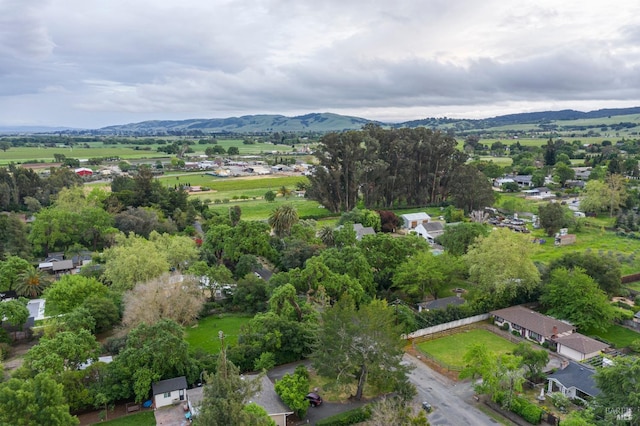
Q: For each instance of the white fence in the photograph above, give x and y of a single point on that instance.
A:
(446, 326)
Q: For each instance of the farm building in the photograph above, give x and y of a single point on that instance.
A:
(83, 171)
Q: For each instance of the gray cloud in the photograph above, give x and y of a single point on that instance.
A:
(73, 62)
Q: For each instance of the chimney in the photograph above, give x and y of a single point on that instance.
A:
(554, 330)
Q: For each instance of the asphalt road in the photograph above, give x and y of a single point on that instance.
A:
(451, 401)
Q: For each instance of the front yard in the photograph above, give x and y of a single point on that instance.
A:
(450, 350)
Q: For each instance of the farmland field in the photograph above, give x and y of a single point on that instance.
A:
(128, 151)
(451, 349)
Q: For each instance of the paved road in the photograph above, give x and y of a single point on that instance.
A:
(451, 401)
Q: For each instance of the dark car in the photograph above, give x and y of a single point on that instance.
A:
(314, 399)
(426, 406)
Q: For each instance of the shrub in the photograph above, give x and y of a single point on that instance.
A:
(351, 417)
(505, 326)
(293, 389)
(635, 345)
(516, 333)
(266, 361)
(528, 411)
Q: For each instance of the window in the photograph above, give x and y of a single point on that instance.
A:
(167, 394)
(535, 336)
(515, 326)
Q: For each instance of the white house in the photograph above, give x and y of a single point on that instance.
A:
(574, 381)
(430, 231)
(532, 325)
(170, 391)
(412, 220)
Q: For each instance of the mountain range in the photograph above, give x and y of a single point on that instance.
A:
(326, 122)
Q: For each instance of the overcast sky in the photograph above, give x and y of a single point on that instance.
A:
(93, 63)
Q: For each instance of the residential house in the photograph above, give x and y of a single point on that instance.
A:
(532, 325)
(574, 381)
(361, 230)
(579, 347)
(268, 399)
(430, 231)
(412, 220)
(442, 303)
(170, 391)
(523, 181)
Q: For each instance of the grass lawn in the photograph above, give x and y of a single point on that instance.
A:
(597, 241)
(205, 334)
(451, 349)
(261, 209)
(633, 286)
(621, 337)
(145, 418)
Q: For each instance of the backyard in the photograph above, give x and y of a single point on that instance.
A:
(450, 350)
(204, 335)
(619, 336)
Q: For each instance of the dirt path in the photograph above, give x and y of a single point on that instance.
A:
(17, 356)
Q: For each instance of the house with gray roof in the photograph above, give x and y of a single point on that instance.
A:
(574, 381)
(361, 230)
(268, 399)
(170, 391)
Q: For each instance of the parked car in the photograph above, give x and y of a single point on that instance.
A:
(426, 406)
(314, 399)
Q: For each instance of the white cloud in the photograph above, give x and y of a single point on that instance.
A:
(95, 63)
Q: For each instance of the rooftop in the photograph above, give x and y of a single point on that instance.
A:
(534, 321)
(169, 385)
(581, 343)
(577, 376)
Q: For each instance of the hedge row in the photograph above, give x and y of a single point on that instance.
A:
(528, 411)
(351, 417)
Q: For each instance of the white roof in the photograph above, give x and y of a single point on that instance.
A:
(416, 216)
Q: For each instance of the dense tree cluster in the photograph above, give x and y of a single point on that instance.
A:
(386, 168)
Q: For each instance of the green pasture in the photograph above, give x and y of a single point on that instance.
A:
(621, 337)
(451, 349)
(261, 209)
(204, 334)
(221, 184)
(146, 418)
(593, 240)
(41, 154)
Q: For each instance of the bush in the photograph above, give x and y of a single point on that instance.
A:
(528, 411)
(293, 389)
(266, 361)
(516, 333)
(505, 326)
(351, 417)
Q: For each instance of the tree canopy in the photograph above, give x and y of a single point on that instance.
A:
(501, 267)
(358, 345)
(574, 296)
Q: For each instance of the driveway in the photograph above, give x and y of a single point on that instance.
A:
(452, 401)
(314, 414)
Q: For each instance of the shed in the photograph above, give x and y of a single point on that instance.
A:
(170, 391)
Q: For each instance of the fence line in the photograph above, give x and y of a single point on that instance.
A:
(446, 326)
